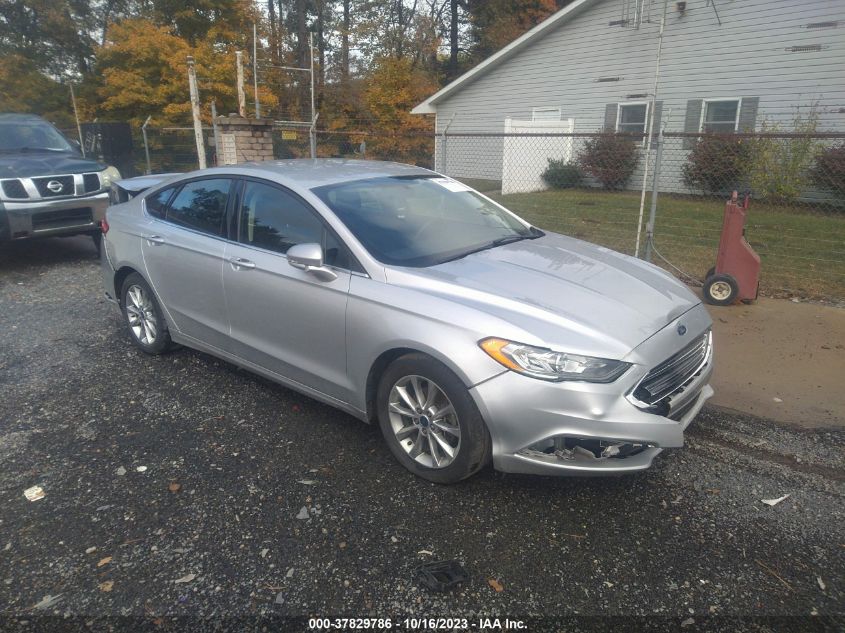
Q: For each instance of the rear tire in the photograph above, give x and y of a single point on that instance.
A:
(143, 316)
(430, 422)
(721, 290)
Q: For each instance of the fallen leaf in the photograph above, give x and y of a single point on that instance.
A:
(104, 561)
(106, 586)
(774, 502)
(120, 472)
(184, 579)
(307, 482)
(141, 469)
(174, 487)
(819, 580)
(496, 585)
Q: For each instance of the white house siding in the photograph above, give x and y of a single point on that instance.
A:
(745, 57)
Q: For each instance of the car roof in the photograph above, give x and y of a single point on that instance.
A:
(310, 173)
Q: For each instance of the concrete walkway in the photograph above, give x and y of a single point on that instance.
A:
(781, 360)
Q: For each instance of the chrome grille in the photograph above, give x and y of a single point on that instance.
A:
(53, 186)
(676, 371)
(14, 189)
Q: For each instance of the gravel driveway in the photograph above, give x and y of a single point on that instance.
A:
(180, 485)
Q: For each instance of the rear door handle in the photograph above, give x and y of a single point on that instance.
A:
(154, 239)
(239, 262)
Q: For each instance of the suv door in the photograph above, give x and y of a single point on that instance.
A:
(183, 251)
(281, 318)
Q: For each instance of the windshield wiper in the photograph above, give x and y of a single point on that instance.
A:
(499, 241)
(25, 150)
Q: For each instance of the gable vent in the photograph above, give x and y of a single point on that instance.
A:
(822, 25)
(809, 48)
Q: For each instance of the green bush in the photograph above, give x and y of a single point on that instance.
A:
(718, 163)
(828, 171)
(610, 158)
(562, 175)
(780, 166)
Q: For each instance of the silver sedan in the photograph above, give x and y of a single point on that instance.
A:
(409, 300)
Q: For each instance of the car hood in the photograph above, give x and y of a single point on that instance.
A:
(561, 292)
(30, 164)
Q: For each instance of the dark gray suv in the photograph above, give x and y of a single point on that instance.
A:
(47, 187)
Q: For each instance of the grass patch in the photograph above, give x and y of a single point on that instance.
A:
(803, 252)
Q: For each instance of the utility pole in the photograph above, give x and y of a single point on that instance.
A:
(313, 108)
(255, 69)
(216, 131)
(195, 111)
(239, 56)
(76, 114)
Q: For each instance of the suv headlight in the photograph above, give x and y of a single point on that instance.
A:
(547, 364)
(108, 176)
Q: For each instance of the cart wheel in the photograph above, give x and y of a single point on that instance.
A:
(720, 290)
(710, 272)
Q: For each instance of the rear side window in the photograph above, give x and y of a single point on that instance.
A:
(157, 202)
(201, 205)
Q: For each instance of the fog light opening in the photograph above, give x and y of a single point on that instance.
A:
(572, 448)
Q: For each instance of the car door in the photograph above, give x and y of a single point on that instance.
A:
(183, 248)
(281, 318)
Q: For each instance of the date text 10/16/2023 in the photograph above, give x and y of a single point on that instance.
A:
(417, 624)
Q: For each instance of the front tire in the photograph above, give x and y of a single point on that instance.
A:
(143, 316)
(430, 422)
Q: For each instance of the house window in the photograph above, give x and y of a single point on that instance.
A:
(633, 118)
(720, 116)
(545, 114)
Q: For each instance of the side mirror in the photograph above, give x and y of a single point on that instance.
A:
(309, 257)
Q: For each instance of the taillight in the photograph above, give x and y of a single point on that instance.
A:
(104, 225)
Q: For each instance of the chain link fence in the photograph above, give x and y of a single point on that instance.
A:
(598, 187)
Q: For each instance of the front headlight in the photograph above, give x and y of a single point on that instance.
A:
(547, 364)
(108, 176)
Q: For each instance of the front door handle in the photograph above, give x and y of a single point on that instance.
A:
(239, 263)
(154, 239)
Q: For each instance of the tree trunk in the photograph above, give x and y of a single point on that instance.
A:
(274, 33)
(344, 44)
(321, 51)
(302, 57)
(452, 70)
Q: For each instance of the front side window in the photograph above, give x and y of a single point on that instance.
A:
(201, 205)
(275, 220)
(632, 118)
(421, 220)
(720, 117)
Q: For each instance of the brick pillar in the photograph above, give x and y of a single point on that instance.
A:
(244, 140)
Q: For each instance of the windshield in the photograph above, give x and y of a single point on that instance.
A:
(421, 220)
(31, 135)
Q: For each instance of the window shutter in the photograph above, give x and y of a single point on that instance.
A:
(658, 114)
(748, 114)
(610, 111)
(692, 121)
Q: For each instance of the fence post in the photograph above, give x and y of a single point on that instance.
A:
(649, 228)
(195, 111)
(216, 131)
(445, 164)
(146, 144)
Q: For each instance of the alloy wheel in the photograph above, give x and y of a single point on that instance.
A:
(141, 315)
(424, 421)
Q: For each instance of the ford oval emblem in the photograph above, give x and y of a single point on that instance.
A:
(682, 329)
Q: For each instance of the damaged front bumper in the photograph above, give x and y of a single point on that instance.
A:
(571, 428)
